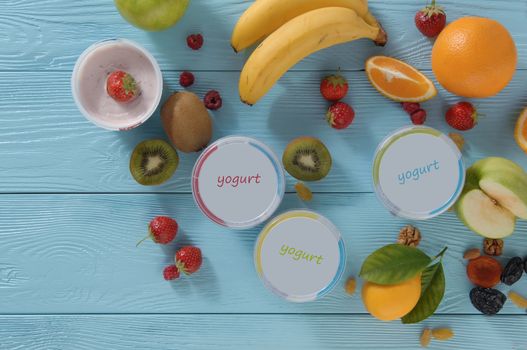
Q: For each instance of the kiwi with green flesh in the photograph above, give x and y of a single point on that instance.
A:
(153, 162)
(307, 159)
(186, 121)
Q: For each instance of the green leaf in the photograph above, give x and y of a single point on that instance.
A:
(432, 291)
(393, 264)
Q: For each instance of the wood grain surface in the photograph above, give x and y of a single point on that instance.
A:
(79, 256)
(49, 35)
(152, 332)
(47, 132)
(70, 213)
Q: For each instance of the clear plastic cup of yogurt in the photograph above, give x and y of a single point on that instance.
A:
(418, 172)
(88, 84)
(238, 182)
(300, 255)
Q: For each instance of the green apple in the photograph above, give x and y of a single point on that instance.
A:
(495, 193)
(152, 15)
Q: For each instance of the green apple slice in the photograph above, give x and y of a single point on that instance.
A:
(510, 194)
(485, 216)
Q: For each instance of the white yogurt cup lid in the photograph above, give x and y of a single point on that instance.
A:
(418, 173)
(300, 255)
(238, 182)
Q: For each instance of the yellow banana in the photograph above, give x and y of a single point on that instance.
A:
(298, 38)
(265, 16)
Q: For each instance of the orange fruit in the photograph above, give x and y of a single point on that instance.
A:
(520, 133)
(398, 80)
(474, 57)
(390, 302)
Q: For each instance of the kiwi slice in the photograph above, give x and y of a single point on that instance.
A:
(307, 159)
(153, 162)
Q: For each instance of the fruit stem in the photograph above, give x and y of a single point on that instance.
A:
(141, 241)
(441, 253)
(433, 3)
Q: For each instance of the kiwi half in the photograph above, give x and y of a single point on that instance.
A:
(307, 159)
(153, 162)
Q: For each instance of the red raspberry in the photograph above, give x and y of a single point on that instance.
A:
(186, 79)
(411, 107)
(171, 272)
(195, 41)
(213, 100)
(418, 117)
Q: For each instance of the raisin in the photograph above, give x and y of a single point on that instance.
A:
(487, 300)
(513, 271)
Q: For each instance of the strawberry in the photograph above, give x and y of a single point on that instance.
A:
(186, 79)
(188, 259)
(162, 230)
(340, 115)
(431, 20)
(334, 87)
(462, 116)
(411, 107)
(195, 41)
(171, 272)
(121, 86)
(418, 117)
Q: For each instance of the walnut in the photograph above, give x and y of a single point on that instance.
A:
(493, 247)
(410, 236)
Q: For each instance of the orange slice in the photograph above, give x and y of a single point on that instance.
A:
(520, 134)
(398, 80)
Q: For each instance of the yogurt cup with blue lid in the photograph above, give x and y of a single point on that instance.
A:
(300, 256)
(238, 182)
(418, 172)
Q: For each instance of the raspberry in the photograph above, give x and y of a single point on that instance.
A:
(418, 117)
(186, 79)
(171, 272)
(213, 100)
(410, 107)
(195, 41)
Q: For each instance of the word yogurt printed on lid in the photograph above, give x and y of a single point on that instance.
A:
(416, 173)
(235, 181)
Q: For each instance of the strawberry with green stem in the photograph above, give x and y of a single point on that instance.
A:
(121, 86)
(430, 20)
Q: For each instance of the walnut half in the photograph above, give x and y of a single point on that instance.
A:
(410, 236)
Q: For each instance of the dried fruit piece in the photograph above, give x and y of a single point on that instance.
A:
(518, 300)
(493, 247)
(351, 286)
(418, 117)
(513, 271)
(472, 254)
(458, 140)
(303, 192)
(426, 337)
(410, 236)
(484, 271)
(442, 333)
(487, 300)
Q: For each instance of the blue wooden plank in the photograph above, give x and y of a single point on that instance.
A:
(51, 34)
(76, 253)
(229, 332)
(48, 146)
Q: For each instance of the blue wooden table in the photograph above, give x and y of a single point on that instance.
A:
(70, 213)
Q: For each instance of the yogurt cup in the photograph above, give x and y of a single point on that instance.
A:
(88, 84)
(238, 182)
(418, 173)
(300, 256)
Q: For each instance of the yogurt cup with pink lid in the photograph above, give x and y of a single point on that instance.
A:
(238, 182)
(89, 84)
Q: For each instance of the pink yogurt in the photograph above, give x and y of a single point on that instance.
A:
(88, 84)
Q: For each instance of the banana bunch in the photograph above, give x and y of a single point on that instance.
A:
(293, 30)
